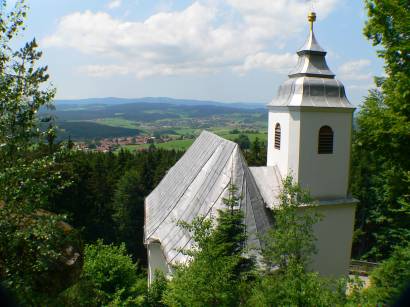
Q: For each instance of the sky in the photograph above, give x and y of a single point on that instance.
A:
(223, 50)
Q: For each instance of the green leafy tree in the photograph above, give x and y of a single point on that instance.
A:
(388, 281)
(32, 241)
(289, 246)
(392, 277)
(381, 166)
(109, 278)
(292, 239)
(156, 291)
(218, 268)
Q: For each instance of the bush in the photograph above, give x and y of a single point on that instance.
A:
(392, 277)
(109, 277)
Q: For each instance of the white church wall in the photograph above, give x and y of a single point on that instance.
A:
(294, 145)
(279, 157)
(156, 261)
(334, 239)
(325, 175)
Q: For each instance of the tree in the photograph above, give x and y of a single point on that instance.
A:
(381, 167)
(256, 156)
(292, 240)
(156, 291)
(218, 268)
(392, 277)
(243, 141)
(289, 246)
(109, 277)
(32, 241)
(128, 213)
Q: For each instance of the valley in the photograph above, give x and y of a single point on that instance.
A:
(111, 124)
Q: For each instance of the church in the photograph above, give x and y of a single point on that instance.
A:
(309, 137)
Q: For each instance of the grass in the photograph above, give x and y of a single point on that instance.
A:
(117, 122)
(226, 134)
(185, 144)
(185, 131)
(176, 145)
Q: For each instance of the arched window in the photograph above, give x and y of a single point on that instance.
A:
(277, 136)
(325, 145)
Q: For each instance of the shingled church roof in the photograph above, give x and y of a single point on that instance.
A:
(195, 186)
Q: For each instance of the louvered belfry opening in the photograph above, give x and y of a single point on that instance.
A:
(325, 145)
(277, 136)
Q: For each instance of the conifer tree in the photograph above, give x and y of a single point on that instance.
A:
(32, 241)
(218, 267)
(128, 213)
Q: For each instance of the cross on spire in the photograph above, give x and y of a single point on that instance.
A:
(311, 19)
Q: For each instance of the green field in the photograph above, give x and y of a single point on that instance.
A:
(176, 145)
(226, 134)
(117, 122)
(184, 144)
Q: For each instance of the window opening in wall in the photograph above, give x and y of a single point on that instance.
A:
(325, 145)
(277, 136)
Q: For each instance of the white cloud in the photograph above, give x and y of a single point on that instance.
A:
(276, 62)
(202, 38)
(355, 70)
(114, 4)
(103, 70)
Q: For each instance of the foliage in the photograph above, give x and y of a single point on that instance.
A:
(109, 278)
(218, 270)
(243, 141)
(106, 197)
(287, 254)
(295, 287)
(381, 167)
(156, 291)
(292, 240)
(90, 130)
(32, 241)
(128, 211)
(392, 277)
(388, 282)
(256, 155)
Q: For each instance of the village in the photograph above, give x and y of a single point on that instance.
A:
(112, 144)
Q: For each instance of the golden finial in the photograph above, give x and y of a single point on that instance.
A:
(312, 19)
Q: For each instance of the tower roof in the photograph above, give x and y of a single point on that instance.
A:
(311, 83)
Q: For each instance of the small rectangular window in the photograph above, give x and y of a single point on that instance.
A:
(277, 136)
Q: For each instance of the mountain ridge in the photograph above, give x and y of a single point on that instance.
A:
(156, 100)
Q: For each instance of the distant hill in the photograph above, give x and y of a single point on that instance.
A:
(146, 111)
(160, 100)
(90, 130)
(114, 117)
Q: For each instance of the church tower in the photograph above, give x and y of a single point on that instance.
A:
(310, 125)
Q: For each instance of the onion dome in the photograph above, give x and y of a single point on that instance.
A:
(311, 83)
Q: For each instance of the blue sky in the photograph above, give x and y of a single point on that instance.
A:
(225, 50)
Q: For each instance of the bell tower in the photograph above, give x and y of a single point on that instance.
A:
(310, 125)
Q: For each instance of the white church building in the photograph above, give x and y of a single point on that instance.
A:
(309, 137)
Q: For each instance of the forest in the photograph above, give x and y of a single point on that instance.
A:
(71, 222)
